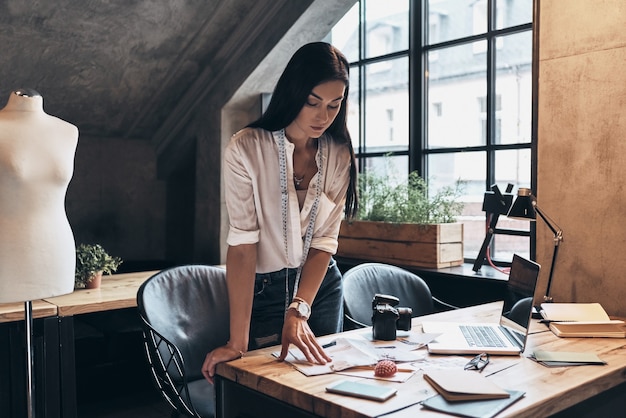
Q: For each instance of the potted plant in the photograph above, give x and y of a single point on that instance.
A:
(92, 261)
(400, 222)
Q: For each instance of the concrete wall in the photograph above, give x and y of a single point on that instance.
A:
(582, 149)
(159, 201)
(115, 198)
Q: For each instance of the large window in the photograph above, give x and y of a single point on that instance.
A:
(445, 88)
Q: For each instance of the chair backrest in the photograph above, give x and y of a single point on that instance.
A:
(185, 312)
(362, 282)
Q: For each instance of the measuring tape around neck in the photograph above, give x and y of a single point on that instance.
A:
(282, 162)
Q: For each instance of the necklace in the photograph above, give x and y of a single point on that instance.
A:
(297, 180)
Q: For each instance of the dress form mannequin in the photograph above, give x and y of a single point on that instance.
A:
(37, 248)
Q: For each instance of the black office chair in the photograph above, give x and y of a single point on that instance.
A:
(519, 311)
(185, 314)
(362, 282)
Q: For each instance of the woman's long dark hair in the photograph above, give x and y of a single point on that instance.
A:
(311, 65)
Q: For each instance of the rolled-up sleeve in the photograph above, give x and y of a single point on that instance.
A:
(239, 192)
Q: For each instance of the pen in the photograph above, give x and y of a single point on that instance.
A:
(330, 344)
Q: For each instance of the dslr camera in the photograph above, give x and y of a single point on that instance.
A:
(387, 318)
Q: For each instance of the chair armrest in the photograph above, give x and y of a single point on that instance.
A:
(444, 304)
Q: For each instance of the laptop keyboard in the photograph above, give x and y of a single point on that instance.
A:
(481, 336)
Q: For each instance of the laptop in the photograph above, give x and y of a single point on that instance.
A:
(508, 337)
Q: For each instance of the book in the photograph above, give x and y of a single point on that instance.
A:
(472, 409)
(463, 385)
(574, 312)
(581, 320)
(573, 329)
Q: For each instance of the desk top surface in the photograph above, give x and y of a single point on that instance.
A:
(117, 291)
(548, 390)
(10, 312)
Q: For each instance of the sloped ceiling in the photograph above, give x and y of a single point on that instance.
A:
(119, 68)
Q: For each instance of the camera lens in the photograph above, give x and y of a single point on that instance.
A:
(404, 319)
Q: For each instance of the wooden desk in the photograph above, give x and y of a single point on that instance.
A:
(13, 359)
(117, 291)
(10, 312)
(258, 382)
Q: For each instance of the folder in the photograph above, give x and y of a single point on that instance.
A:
(472, 409)
(463, 385)
(566, 358)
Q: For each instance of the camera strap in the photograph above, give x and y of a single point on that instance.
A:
(308, 237)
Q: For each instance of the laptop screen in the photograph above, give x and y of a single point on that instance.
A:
(520, 291)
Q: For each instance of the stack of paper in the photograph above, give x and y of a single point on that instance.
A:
(349, 355)
(581, 320)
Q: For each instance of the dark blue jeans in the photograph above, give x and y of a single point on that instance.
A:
(268, 308)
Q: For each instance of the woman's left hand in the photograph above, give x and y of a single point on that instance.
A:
(296, 331)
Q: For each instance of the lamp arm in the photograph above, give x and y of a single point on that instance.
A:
(547, 297)
(556, 230)
(558, 237)
(488, 236)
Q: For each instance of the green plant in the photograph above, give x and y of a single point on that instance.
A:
(381, 199)
(91, 259)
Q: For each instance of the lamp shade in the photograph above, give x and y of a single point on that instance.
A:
(524, 205)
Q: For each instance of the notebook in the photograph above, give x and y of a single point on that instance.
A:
(508, 337)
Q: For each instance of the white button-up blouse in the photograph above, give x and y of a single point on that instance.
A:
(253, 198)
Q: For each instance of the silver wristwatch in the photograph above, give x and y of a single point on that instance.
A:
(303, 310)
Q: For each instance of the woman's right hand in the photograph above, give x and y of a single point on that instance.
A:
(219, 355)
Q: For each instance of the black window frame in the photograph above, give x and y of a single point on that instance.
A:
(417, 151)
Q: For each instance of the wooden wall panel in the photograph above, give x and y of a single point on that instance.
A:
(581, 165)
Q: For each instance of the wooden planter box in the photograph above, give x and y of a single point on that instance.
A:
(430, 246)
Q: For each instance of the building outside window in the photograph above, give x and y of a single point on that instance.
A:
(444, 87)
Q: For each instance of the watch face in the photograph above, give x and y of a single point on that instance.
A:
(304, 309)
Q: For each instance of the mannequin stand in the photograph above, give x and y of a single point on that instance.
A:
(30, 387)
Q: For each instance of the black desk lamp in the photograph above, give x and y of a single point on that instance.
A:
(495, 204)
(525, 207)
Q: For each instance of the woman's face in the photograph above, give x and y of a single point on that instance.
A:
(319, 110)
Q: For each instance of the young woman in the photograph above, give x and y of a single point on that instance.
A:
(289, 179)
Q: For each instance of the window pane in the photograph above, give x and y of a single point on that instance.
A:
(471, 168)
(513, 13)
(454, 19)
(345, 34)
(353, 108)
(512, 166)
(504, 246)
(514, 89)
(390, 166)
(456, 87)
(387, 105)
(386, 27)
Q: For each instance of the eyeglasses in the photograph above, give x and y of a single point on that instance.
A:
(478, 363)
